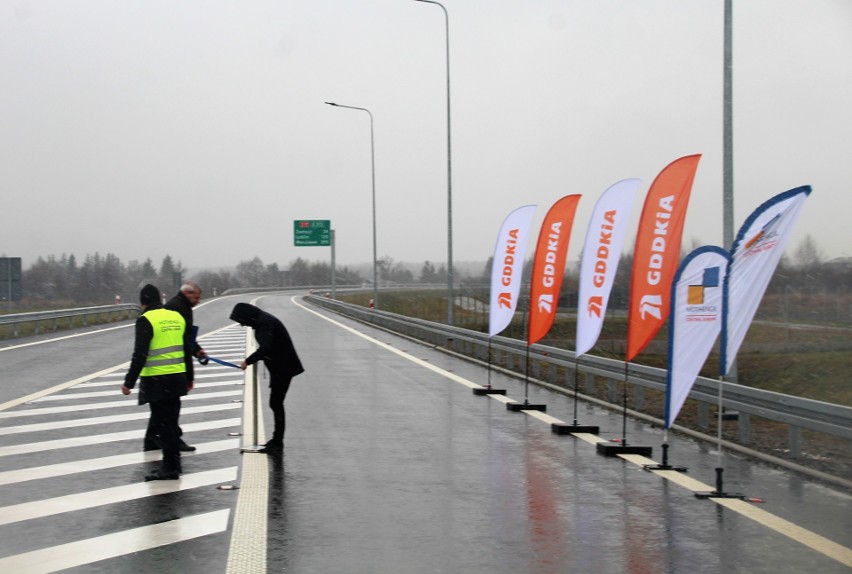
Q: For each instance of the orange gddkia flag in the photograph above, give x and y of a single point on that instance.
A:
(549, 266)
(657, 252)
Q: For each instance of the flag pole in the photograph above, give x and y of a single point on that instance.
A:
(575, 427)
(526, 405)
(488, 390)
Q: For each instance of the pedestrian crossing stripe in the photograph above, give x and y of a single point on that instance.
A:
(92, 464)
(94, 498)
(99, 548)
(139, 434)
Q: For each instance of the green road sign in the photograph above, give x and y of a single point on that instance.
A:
(10, 278)
(311, 232)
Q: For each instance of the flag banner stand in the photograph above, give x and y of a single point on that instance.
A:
(720, 491)
(695, 321)
(526, 405)
(620, 446)
(665, 464)
(655, 259)
(755, 254)
(488, 390)
(599, 264)
(506, 278)
(574, 427)
(548, 270)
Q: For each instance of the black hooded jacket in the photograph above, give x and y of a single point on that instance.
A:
(273, 341)
(181, 304)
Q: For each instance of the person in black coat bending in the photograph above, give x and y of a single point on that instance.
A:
(279, 355)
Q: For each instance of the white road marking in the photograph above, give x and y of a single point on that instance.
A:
(36, 427)
(94, 498)
(110, 437)
(76, 466)
(99, 548)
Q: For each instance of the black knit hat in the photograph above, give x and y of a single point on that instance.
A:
(149, 295)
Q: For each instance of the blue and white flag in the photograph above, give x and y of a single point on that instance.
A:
(755, 254)
(695, 321)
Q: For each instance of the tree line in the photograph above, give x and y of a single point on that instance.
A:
(98, 279)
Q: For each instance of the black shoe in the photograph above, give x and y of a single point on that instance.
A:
(185, 447)
(161, 474)
(151, 444)
(272, 447)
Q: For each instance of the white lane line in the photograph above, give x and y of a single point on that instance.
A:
(91, 550)
(116, 383)
(113, 404)
(819, 543)
(115, 392)
(95, 498)
(109, 437)
(73, 467)
(22, 345)
(36, 427)
(60, 387)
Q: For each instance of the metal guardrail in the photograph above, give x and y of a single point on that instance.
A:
(797, 413)
(53, 318)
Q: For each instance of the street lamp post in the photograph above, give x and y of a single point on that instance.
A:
(373, 172)
(450, 295)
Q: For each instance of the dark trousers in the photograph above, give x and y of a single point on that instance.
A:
(278, 387)
(151, 440)
(164, 425)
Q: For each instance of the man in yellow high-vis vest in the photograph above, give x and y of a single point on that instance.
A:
(159, 361)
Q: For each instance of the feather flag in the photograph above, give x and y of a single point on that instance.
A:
(696, 320)
(601, 254)
(756, 251)
(549, 266)
(657, 251)
(507, 267)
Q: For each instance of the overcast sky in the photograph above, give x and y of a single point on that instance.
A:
(197, 128)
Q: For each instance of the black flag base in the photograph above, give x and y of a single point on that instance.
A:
(482, 391)
(665, 465)
(564, 428)
(525, 406)
(719, 492)
(608, 448)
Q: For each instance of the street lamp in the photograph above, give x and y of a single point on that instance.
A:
(451, 301)
(373, 168)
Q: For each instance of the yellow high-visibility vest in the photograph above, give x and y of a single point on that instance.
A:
(165, 354)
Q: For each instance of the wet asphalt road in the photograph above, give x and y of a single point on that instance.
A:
(393, 465)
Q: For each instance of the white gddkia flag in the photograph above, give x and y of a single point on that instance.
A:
(601, 254)
(757, 249)
(507, 267)
(695, 321)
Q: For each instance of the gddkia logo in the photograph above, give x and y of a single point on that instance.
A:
(545, 303)
(595, 306)
(651, 305)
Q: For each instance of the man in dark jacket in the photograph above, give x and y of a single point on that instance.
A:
(276, 349)
(160, 360)
(187, 298)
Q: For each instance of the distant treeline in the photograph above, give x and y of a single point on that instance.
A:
(98, 279)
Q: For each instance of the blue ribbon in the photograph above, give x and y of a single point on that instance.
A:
(220, 361)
